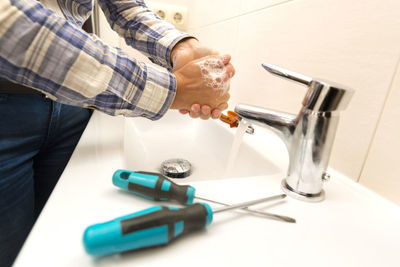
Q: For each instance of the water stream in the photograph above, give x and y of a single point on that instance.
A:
(237, 141)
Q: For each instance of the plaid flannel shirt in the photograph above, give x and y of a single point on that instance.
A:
(44, 51)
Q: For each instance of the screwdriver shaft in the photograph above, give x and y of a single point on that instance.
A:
(249, 203)
(258, 212)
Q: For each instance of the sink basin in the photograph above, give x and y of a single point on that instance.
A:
(205, 144)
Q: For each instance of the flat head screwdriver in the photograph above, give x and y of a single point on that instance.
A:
(265, 214)
(152, 227)
(155, 186)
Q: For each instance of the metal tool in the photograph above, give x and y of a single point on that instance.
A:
(155, 186)
(152, 227)
(265, 214)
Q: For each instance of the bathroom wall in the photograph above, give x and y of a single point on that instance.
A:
(355, 43)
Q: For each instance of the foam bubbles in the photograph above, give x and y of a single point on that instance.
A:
(214, 74)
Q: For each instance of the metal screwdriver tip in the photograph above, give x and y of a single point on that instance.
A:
(249, 203)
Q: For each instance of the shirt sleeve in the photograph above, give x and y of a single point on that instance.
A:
(45, 52)
(143, 29)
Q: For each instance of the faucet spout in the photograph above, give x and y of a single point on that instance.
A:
(282, 124)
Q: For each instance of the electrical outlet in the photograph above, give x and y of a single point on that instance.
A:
(174, 14)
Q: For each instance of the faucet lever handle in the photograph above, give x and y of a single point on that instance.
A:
(321, 95)
(290, 75)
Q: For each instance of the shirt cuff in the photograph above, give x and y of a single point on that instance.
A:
(158, 93)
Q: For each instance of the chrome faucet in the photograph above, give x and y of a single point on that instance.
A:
(308, 135)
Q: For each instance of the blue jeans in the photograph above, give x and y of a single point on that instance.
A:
(37, 138)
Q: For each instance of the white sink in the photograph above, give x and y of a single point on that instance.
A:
(206, 144)
(351, 227)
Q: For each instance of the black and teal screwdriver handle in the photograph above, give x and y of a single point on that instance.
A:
(153, 186)
(151, 227)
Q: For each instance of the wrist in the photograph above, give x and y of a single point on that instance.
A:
(185, 45)
(179, 83)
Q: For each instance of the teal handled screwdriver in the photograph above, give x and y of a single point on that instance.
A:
(152, 227)
(156, 186)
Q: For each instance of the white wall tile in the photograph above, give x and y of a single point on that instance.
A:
(382, 168)
(354, 44)
(221, 36)
(253, 5)
(205, 12)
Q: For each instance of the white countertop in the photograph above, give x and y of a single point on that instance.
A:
(351, 227)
